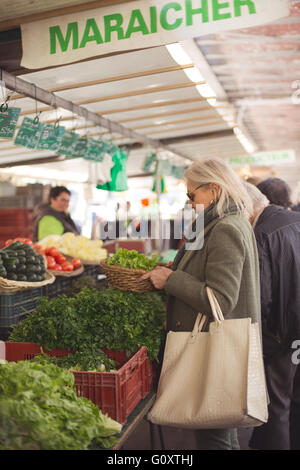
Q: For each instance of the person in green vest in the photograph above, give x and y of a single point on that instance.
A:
(53, 218)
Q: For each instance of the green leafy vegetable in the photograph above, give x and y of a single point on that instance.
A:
(133, 259)
(88, 358)
(111, 318)
(39, 410)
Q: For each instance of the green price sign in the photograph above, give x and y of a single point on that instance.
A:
(68, 143)
(29, 133)
(94, 150)
(80, 148)
(8, 121)
(51, 137)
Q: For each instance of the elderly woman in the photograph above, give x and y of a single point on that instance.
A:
(225, 260)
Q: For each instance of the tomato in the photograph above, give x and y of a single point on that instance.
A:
(19, 240)
(37, 247)
(50, 262)
(67, 266)
(8, 242)
(27, 241)
(52, 251)
(76, 263)
(57, 267)
(60, 259)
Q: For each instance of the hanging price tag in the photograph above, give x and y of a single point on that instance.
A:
(68, 143)
(29, 133)
(80, 148)
(8, 121)
(51, 137)
(148, 162)
(94, 150)
(178, 171)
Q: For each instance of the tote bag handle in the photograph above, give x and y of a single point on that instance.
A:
(216, 311)
(215, 307)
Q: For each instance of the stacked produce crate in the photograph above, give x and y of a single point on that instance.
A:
(14, 221)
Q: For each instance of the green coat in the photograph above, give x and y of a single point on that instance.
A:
(228, 263)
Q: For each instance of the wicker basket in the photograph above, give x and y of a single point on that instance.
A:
(126, 278)
(7, 286)
(77, 272)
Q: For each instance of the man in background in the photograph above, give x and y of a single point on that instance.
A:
(277, 232)
(53, 218)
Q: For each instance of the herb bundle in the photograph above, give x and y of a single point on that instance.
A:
(93, 319)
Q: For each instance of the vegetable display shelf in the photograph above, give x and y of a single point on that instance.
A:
(115, 393)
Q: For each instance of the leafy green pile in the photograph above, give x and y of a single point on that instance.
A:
(88, 358)
(39, 410)
(133, 259)
(111, 318)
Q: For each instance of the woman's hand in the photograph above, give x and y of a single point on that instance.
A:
(158, 276)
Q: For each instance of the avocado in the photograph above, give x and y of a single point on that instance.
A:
(21, 268)
(31, 277)
(21, 277)
(12, 276)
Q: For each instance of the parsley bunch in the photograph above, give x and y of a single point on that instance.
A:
(93, 319)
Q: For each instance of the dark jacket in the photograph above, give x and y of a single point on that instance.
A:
(227, 262)
(277, 234)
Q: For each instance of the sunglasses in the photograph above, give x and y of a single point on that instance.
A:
(191, 195)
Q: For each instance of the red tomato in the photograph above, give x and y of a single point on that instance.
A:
(50, 262)
(52, 251)
(19, 240)
(37, 247)
(67, 266)
(76, 263)
(8, 242)
(60, 259)
(57, 267)
(27, 241)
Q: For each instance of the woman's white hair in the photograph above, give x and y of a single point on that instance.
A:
(217, 171)
(259, 200)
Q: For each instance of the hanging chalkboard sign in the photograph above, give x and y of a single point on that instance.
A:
(51, 137)
(29, 133)
(8, 121)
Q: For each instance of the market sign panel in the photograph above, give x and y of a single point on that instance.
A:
(264, 158)
(139, 24)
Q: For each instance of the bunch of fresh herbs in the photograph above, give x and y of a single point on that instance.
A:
(111, 318)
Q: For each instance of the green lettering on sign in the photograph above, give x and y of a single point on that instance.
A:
(153, 19)
(217, 6)
(190, 12)
(240, 3)
(55, 33)
(109, 27)
(91, 26)
(163, 16)
(136, 15)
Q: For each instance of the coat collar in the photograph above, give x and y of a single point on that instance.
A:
(211, 218)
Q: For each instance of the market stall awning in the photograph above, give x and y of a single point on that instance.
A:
(194, 105)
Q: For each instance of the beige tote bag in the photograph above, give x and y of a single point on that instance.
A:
(212, 379)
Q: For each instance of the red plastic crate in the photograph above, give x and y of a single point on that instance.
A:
(116, 393)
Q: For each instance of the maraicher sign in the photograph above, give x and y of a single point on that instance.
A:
(138, 24)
